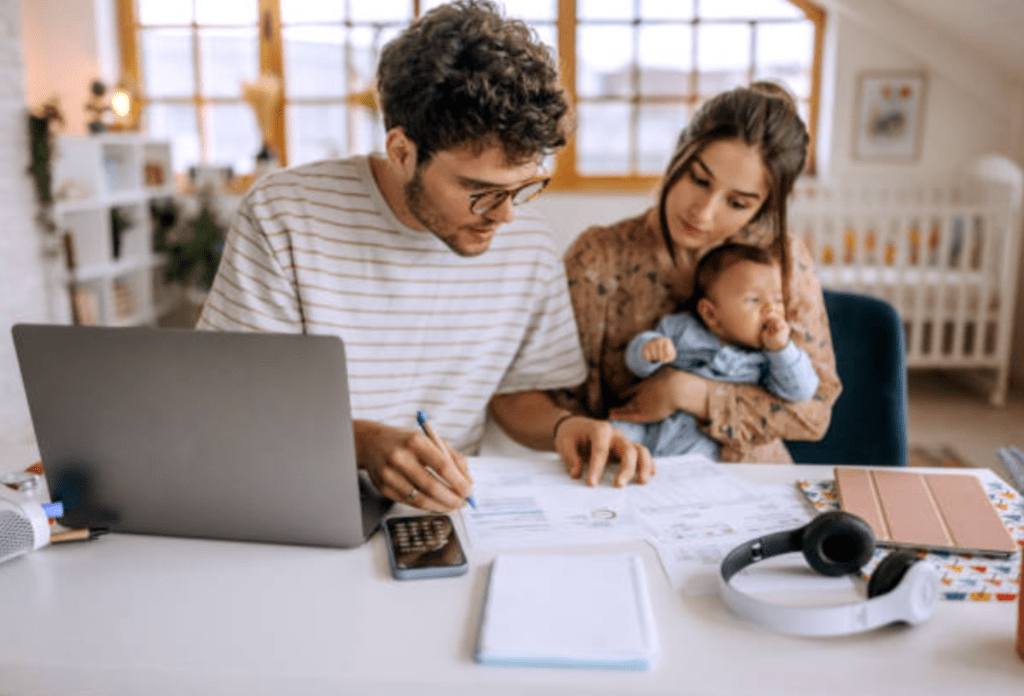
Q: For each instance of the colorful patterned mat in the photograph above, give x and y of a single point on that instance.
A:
(964, 576)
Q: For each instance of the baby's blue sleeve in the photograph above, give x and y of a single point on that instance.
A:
(635, 361)
(790, 374)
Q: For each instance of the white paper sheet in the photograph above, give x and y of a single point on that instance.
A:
(522, 503)
(692, 512)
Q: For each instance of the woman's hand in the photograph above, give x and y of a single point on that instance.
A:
(590, 444)
(659, 396)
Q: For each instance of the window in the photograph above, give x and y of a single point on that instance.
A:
(641, 68)
(636, 70)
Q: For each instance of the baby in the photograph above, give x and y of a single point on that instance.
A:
(737, 332)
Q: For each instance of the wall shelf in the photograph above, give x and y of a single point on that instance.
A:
(104, 185)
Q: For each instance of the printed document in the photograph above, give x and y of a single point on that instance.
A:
(692, 512)
(521, 503)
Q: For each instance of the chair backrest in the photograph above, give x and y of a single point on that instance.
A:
(869, 420)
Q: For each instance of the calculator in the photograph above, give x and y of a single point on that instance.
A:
(424, 546)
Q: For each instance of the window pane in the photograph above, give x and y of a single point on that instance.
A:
(232, 136)
(367, 131)
(548, 35)
(427, 5)
(177, 123)
(227, 58)
(167, 62)
(659, 128)
(381, 10)
(387, 34)
(533, 10)
(227, 12)
(316, 131)
(314, 61)
(666, 59)
(603, 56)
(667, 9)
(366, 43)
(803, 107)
(165, 11)
(603, 9)
(723, 56)
(784, 53)
(293, 11)
(602, 141)
(749, 9)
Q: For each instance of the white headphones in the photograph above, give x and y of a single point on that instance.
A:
(901, 589)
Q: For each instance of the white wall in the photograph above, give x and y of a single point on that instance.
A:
(972, 107)
(23, 296)
(569, 214)
(66, 45)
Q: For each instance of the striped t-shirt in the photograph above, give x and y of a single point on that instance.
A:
(316, 249)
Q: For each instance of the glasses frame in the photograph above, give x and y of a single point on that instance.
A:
(505, 194)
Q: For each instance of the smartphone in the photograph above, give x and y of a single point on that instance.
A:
(423, 546)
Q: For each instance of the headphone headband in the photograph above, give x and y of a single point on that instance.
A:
(761, 548)
(834, 543)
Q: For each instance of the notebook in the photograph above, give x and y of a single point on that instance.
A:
(219, 435)
(586, 611)
(938, 512)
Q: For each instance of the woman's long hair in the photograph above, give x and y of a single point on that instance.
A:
(763, 116)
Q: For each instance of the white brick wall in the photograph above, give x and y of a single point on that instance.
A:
(22, 287)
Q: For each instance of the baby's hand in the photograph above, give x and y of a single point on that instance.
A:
(775, 333)
(658, 350)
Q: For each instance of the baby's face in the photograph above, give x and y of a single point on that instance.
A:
(744, 296)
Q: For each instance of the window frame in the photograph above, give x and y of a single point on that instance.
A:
(565, 175)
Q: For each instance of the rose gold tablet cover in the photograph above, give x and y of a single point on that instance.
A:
(948, 512)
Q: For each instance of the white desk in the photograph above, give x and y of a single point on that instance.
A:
(130, 614)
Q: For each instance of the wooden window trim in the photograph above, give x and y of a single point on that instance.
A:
(565, 177)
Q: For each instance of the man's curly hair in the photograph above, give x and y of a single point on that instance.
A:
(463, 74)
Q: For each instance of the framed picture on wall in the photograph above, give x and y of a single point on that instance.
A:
(889, 117)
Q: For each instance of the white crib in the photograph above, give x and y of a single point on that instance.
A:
(945, 254)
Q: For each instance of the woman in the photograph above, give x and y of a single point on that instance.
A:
(728, 180)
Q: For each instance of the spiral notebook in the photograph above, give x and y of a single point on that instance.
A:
(587, 611)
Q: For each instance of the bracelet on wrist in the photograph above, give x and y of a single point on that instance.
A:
(558, 423)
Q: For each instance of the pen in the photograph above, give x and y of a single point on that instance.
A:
(84, 534)
(421, 418)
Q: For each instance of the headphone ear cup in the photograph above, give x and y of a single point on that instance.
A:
(890, 571)
(837, 543)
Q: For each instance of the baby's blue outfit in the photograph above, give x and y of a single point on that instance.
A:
(788, 374)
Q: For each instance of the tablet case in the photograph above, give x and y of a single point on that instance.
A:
(940, 512)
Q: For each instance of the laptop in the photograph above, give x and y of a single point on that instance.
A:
(218, 435)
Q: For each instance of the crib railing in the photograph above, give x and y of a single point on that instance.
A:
(943, 254)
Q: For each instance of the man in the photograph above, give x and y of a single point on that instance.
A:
(388, 252)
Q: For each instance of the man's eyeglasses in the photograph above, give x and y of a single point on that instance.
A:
(486, 201)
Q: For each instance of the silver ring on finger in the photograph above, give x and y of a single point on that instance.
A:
(412, 495)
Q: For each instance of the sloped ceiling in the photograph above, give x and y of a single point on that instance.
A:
(994, 29)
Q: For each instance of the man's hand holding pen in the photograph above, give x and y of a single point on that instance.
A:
(408, 467)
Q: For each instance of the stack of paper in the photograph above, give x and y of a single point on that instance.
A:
(568, 611)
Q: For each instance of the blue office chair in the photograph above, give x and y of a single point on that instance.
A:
(869, 420)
